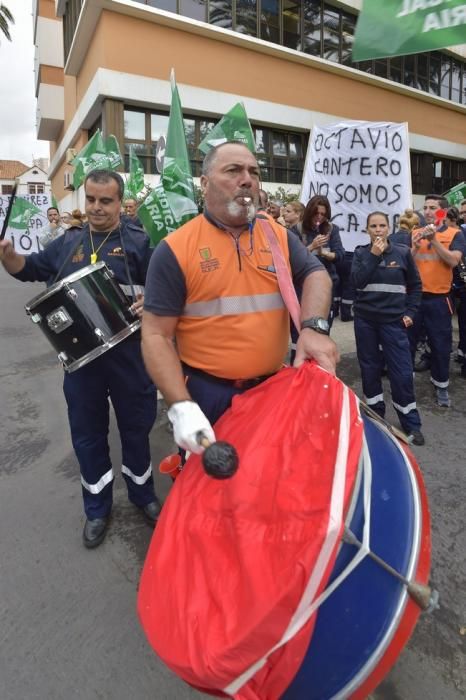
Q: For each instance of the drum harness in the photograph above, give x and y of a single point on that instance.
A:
(425, 597)
(78, 243)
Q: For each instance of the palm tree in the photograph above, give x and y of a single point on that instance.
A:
(5, 18)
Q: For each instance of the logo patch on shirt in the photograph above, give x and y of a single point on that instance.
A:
(393, 263)
(205, 253)
(208, 264)
(265, 250)
(116, 251)
(79, 255)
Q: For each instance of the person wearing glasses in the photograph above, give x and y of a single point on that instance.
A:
(212, 286)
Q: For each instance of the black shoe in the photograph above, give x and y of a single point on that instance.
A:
(94, 532)
(345, 318)
(417, 438)
(151, 511)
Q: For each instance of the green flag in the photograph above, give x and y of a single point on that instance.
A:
(456, 195)
(86, 158)
(135, 181)
(157, 216)
(97, 153)
(177, 180)
(112, 153)
(234, 126)
(21, 212)
(54, 202)
(172, 203)
(401, 27)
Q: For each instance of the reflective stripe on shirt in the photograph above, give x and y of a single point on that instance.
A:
(228, 306)
(390, 288)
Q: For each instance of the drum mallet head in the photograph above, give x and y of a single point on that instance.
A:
(219, 459)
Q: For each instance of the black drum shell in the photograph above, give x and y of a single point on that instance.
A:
(95, 311)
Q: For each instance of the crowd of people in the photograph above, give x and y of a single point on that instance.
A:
(214, 320)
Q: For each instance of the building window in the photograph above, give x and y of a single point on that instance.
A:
(280, 153)
(70, 21)
(36, 188)
(7, 189)
(446, 173)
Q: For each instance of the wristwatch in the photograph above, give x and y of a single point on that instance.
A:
(317, 323)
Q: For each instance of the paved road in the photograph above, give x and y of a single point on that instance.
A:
(68, 627)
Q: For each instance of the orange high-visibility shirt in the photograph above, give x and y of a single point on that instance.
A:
(234, 324)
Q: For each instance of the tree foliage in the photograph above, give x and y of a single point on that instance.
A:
(6, 18)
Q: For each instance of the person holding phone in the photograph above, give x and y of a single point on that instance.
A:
(388, 294)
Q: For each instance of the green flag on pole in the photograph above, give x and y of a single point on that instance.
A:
(401, 27)
(234, 126)
(97, 153)
(112, 153)
(177, 179)
(21, 212)
(172, 203)
(456, 195)
(157, 215)
(135, 182)
(86, 158)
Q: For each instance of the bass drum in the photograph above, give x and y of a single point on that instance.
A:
(367, 616)
(83, 315)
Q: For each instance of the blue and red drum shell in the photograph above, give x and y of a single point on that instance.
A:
(366, 621)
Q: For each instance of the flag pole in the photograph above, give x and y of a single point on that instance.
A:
(8, 211)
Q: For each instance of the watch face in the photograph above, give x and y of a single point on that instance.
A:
(322, 324)
(318, 324)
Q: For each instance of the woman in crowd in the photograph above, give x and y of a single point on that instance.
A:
(408, 220)
(388, 294)
(293, 214)
(321, 237)
(77, 218)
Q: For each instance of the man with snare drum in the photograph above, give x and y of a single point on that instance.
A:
(119, 373)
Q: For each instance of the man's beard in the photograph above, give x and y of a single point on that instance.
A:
(243, 212)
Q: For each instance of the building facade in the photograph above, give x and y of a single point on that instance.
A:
(106, 64)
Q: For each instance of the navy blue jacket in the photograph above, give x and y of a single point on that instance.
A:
(401, 237)
(388, 286)
(44, 266)
(334, 244)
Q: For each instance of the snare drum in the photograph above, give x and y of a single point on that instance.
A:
(83, 315)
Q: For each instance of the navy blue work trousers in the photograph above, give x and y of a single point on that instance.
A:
(434, 316)
(393, 339)
(213, 397)
(118, 375)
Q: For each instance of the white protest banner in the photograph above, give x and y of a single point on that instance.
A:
(361, 167)
(26, 241)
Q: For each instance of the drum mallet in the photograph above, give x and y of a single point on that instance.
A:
(424, 596)
(219, 459)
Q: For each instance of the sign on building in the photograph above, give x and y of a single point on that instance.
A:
(361, 167)
(26, 240)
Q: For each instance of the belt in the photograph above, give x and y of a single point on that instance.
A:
(235, 383)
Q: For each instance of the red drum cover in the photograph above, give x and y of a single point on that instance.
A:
(234, 565)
